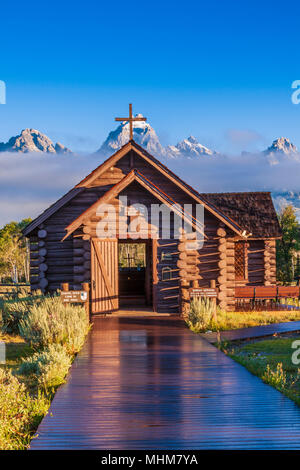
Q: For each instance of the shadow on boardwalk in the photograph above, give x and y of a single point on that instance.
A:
(149, 383)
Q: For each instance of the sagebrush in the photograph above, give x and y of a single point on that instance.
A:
(20, 413)
(47, 368)
(201, 314)
(14, 307)
(51, 322)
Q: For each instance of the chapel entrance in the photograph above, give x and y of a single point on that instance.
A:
(135, 273)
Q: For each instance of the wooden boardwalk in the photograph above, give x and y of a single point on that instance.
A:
(149, 383)
(259, 331)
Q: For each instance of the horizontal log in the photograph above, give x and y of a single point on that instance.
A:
(223, 287)
(42, 252)
(34, 263)
(63, 269)
(43, 283)
(87, 229)
(43, 267)
(42, 233)
(192, 253)
(79, 269)
(222, 295)
(53, 262)
(221, 232)
(186, 264)
(78, 251)
(34, 270)
(222, 264)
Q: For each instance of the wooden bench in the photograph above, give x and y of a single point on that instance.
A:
(267, 292)
(245, 292)
(285, 292)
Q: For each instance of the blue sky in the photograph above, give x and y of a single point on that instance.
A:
(220, 70)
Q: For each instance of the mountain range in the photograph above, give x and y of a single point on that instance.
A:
(282, 153)
(32, 140)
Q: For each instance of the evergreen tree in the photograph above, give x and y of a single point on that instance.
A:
(289, 245)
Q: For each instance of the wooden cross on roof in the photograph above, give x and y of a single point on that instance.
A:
(131, 119)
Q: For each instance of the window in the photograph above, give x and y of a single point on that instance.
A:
(167, 273)
(132, 255)
(240, 260)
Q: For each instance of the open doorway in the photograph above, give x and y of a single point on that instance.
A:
(135, 273)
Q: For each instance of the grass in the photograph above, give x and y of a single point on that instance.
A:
(37, 362)
(21, 407)
(233, 320)
(271, 360)
(16, 349)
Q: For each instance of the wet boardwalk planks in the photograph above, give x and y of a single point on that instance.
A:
(143, 383)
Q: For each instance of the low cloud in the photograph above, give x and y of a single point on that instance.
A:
(249, 172)
(29, 183)
(244, 138)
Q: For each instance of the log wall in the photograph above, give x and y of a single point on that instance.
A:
(256, 268)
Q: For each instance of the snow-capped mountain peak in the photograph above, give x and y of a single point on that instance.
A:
(31, 140)
(143, 134)
(281, 146)
(189, 148)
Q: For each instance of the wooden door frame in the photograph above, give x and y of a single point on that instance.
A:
(149, 265)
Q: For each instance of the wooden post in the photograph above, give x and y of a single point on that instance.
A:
(86, 288)
(184, 298)
(214, 300)
(65, 287)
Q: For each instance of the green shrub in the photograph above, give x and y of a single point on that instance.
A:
(20, 414)
(277, 377)
(47, 368)
(201, 314)
(52, 322)
(14, 307)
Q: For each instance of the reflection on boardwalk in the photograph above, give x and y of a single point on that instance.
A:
(143, 383)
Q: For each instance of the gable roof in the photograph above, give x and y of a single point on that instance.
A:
(51, 210)
(135, 175)
(132, 145)
(252, 210)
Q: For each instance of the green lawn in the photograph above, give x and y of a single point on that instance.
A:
(271, 360)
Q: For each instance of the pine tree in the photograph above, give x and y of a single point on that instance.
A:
(289, 245)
